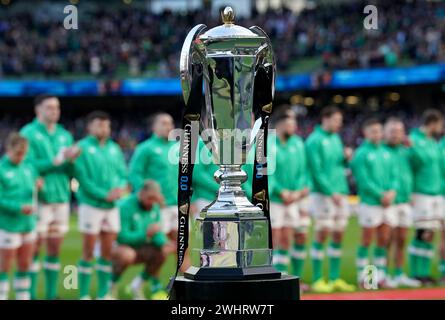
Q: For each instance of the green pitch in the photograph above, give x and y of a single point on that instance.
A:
(72, 246)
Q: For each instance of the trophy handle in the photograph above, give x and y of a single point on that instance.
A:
(266, 59)
(189, 55)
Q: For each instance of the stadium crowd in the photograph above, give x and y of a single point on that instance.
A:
(129, 206)
(131, 41)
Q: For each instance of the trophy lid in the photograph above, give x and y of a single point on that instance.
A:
(228, 29)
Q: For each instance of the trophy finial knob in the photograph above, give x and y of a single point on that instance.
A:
(228, 15)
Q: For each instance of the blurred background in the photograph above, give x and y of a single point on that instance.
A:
(124, 58)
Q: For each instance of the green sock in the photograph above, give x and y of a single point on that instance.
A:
(85, 271)
(414, 259)
(115, 277)
(281, 260)
(52, 269)
(442, 268)
(155, 285)
(380, 261)
(145, 276)
(426, 259)
(317, 255)
(103, 268)
(334, 254)
(398, 272)
(362, 261)
(297, 259)
(34, 276)
(4, 286)
(22, 286)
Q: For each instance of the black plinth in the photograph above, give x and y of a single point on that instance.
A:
(284, 288)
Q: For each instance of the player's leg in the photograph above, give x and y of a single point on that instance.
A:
(284, 247)
(90, 220)
(8, 251)
(362, 263)
(54, 239)
(43, 221)
(399, 238)
(298, 254)
(6, 261)
(122, 257)
(153, 259)
(322, 210)
(299, 236)
(35, 267)
(86, 264)
(334, 251)
(384, 233)
(290, 223)
(424, 238)
(369, 217)
(317, 256)
(381, 253)
(421, 249)
(280, 258)
(110, 228)
(104, 265)
(51, 265)
(22, 281)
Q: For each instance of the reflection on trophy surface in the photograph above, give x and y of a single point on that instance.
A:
(232, 235)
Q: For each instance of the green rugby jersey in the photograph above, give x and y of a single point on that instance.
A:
(17, 187)
(400, 156)
(135, 221)
(204, 184)
(289, 162)
(426, 162)
(374, 172)
(326, 162)
(151, 161)
(99, 169)
(43, 148)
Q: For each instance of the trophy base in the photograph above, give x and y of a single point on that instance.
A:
(226, 274)
(285, 288)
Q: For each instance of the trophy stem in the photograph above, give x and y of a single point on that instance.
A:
(230, 177)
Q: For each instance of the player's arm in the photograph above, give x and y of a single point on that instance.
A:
(158, 238)
(68, 166)
(137, 166)
(417, 156)
(315, 164)
(122, 169)
(42, 165)
(304, 184)
(364, 180)
(84, 178)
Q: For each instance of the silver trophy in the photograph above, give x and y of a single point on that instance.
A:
(231, 234)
